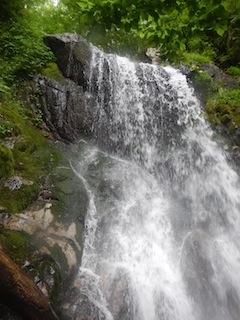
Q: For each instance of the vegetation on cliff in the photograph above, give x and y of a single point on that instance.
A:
(23, 152)
(223, 110)
(182, 31)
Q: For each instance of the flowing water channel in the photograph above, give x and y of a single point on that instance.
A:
(162, 238)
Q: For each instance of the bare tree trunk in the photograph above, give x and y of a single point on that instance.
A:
(20, 293)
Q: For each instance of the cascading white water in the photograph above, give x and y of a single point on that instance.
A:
(162, 229)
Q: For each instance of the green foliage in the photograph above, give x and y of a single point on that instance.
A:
(12, 10)
(22, 50)
(234, 71)
(130, 26)
(230, 97)
(189, 57)
(63, 18)
(6, 162)
(224, 109)
(38, 119)
(170, 25)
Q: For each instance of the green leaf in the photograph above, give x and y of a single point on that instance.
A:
(182, 46)
(220, 30)
(141, 34)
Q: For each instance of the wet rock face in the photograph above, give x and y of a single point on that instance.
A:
(218, 75)
(73, 56)
(90, 103)
(198, 273)
(79, 307)
(64, 108)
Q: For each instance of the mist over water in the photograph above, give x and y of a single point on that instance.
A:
(162, 228)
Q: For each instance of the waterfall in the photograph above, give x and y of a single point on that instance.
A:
(162, 235)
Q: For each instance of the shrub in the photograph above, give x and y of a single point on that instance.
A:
(234, 71)
(22, 51)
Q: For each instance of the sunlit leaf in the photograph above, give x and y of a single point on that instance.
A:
(220, 30)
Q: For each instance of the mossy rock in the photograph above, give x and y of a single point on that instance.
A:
(26, 251)
(34, 155)
(223, 109)
(6, 162)
(12, 118)
(52, 71)
(32, 158)
(17, 200)
(17, 245)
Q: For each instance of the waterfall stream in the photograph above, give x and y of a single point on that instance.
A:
(162, 237)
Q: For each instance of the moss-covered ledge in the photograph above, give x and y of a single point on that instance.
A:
(219, 92)
(223, 110)
(40, 230)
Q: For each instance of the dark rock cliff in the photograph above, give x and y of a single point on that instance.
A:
(64, 108)
(73, 55)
